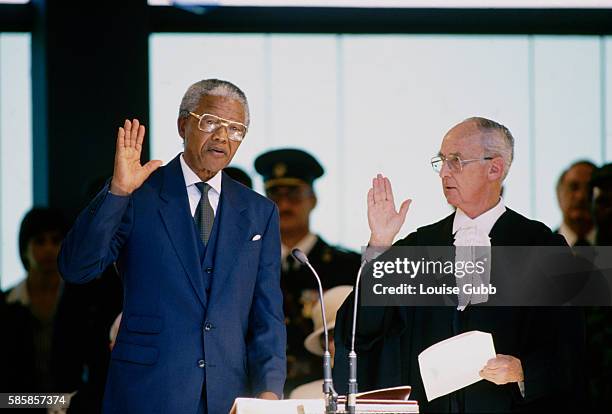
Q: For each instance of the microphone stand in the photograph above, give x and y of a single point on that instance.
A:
(351, 399)
(331, 396)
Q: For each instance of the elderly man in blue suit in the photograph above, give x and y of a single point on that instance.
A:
(199, 256)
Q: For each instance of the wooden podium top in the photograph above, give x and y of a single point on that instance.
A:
(317, 406)
(387, 400)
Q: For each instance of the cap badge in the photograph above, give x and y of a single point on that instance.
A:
(280, 170)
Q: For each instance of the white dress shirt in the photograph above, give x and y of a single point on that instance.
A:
(191, 179)
(483, 223)
(305, 245)
(474, 244)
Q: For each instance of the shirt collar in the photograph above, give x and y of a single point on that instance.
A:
(483, 222)
(191, 178)
(19, 294)
(305, 245)
(571, 237)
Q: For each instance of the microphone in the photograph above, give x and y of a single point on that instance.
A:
(351, 399)
(331, 396)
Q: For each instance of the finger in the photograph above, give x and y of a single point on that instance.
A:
(490, 376)
(374, 181)
(496, 367)
(388, 191)
(490, 363)
(404, 209)
(371, 198)
(494, 363)
(120, 138)
(134, 132)
(486, 376)
(140, 138)
(152, 166)
(128, 131)
(379, 189)
(490, 371)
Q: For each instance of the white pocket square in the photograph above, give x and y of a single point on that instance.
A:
(256, 237)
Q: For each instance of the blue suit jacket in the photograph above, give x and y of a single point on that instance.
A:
(185, 325)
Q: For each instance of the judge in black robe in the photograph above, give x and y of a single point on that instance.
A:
(548, 342)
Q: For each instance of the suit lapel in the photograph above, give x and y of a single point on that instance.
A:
(176, 215)
(233, 227)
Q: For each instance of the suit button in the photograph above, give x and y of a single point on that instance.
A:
(201, 363)
(209, 270)
(208, 326)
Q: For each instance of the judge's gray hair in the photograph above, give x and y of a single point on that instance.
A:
(497, 140)
(212, 87)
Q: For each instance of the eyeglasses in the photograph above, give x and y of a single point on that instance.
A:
(291, 194)
(455, 164)
(209, 123)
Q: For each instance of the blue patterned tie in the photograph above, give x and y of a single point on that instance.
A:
(204, 214)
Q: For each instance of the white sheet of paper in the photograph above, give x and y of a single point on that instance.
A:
(257, 406)
(455, 362)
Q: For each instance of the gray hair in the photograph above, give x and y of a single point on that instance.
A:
(212, 87)
(497, 140)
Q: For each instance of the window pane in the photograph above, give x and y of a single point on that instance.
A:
(15, 150)
(382, 103)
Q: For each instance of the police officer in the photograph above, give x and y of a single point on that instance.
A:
(288, 176)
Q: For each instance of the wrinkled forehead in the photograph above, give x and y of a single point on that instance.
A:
(464, 139)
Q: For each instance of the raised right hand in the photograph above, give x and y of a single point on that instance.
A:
(129, 174)
(383, 220)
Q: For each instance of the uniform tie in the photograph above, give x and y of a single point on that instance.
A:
(204, 214)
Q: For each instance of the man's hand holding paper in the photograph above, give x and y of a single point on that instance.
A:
(503, 369)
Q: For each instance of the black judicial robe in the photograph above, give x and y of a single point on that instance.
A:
(549, 341)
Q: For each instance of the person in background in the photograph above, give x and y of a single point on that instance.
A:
(315, 342)
(601, 184)
(573, 195)
(239, 175)
(80, 352)
(28, 319)
(599, 319)
(289, 176)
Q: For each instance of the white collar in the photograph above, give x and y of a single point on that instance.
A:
(305, 245)
(19, 294)
(571, 237)
(191, 178)
(483, 222)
